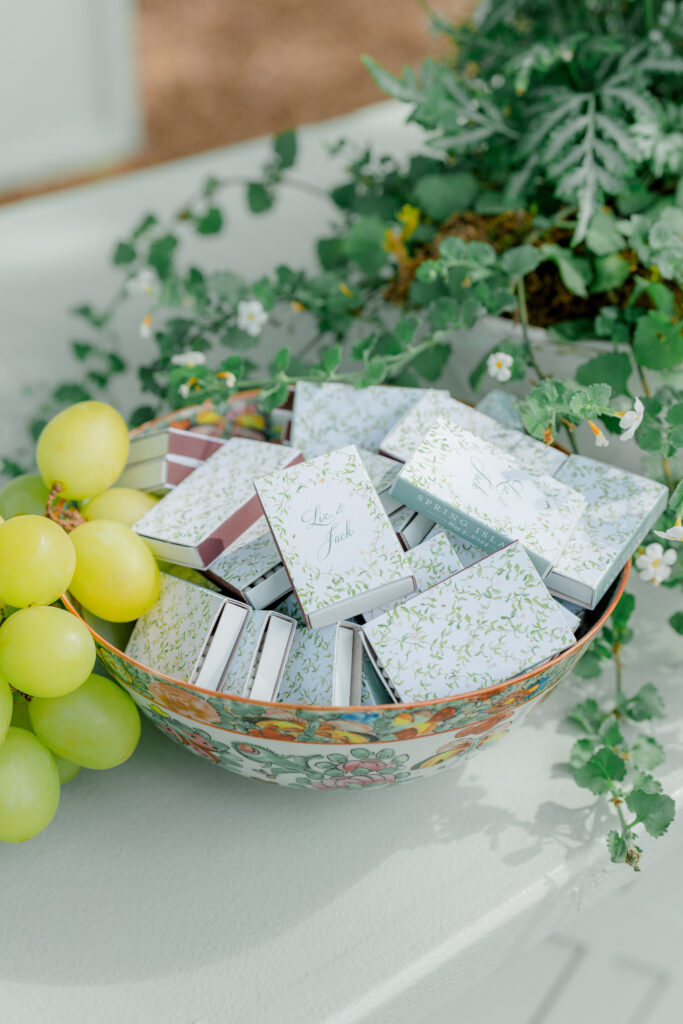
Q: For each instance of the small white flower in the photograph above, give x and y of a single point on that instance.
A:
(674, 532)
(631, 420)
(146, 327)
(229, 378)
(184, 390)
(655, 563)
(656, 35)
(497, 81)
(566, 54)
(144, 281)
(499, 366)
(251, 317)
(189, 359)
(600, 439)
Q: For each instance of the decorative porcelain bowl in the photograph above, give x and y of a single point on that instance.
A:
(318, 747)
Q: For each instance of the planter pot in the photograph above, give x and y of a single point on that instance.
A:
(324, 748)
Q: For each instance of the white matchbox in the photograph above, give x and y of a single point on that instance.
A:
(330, 416)
(324, 666)
(250, 568)
(486, 496)
(406, 435)
(501, 406)
(191, 633)
(173, 441)
(411, 527)
(477, 628)
(335, 540)
(158, 475)
(621, 509)
(430, 562)
(212, 508)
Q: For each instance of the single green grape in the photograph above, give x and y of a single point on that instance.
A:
(84, 448)
(26, 495)
(45, 652)
(116, 577)
(37, 561)
(29, 786)
(67, 770)
(97, 726)
(120, 504)
(5, 707)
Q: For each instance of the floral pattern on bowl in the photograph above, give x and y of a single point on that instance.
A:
(326, 748)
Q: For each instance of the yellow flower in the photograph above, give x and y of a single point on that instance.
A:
(297, 307)
(409, 217)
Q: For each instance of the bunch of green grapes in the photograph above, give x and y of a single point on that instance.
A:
(56, 715)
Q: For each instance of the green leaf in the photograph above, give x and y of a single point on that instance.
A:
(603, 235)
(224, 284)
(147, 222)
(331, 252)
(271, 398)
(82, 349)
(613, 368)
(161, 255)
(281, 361)
(209, 223)
(616, 845)
(623, 611)
(610, 272)
(143, 414)
(521, 260)
(656, 811)
(71, 393)
(431, 363)
(444, 312)
(405, 329)
(676, 622)
(365, 244)
(610, 733)
(440, 195)
(646, 704)
(646, 753)
(598, 773)
(124, 253)
(233, 337)
(87, 312)
(581, 753)
(375, 373)
(645, 782)
(658, 343)
(284, 145)
(259, 198)
(331, 358)
(587, 716)
(403, 88)
(575, 272)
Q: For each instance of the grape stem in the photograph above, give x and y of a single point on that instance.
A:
(60, 511)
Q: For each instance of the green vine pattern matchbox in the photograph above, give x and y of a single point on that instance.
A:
(335, 540)
(486, 496)
(250, 568)
(408, 433)
(479, 627)
(501, 406)
(212, 508)
(325, 666)
(330, 416)
(622, 508)
(411, 527)
(190, 633)
(430, 562)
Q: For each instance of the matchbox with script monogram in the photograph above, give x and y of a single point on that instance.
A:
(214, 506)
(486, 496)
(334, 537)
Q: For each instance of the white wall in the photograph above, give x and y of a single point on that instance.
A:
(68, 92)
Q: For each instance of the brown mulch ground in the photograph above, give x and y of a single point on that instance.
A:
(218, 71)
